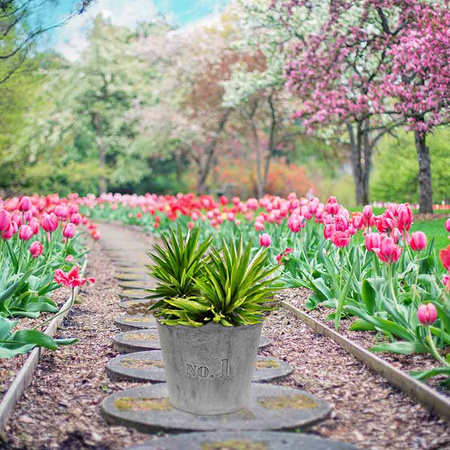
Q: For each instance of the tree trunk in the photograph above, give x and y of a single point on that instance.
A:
(102, 182)
(359, 164)
(425, 183)
(273, 126)
(205, 167)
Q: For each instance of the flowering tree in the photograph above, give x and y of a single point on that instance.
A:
(363, 53)
(256, 88)
(418, 80)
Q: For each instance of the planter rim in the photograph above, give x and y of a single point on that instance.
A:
(210, 324)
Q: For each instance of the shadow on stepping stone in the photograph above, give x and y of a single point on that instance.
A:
(244, 440)
(131, 277)
(135, 303)
(142, 340)
(133, 294)
(138, 285)
(135, 322)
(149, 367)
(133, 269)
(147, 409)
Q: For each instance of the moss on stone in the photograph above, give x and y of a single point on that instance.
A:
(297, 401)
(140, 337)
(142, 404)
(271, 364)
(235, 445)
(138, 319)
(141, 363)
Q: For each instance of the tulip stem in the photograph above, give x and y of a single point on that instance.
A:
(72, 301)
(391, 286)
(433, 348)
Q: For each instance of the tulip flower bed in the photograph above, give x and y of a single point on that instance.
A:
(41, 248)
(390, 282)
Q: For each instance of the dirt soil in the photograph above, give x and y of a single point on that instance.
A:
(407, 363)
(61, 408)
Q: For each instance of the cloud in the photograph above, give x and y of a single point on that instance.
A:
(70, 40)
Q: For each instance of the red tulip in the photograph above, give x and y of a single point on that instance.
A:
(418, 241)
(5, 221)
(25, 204)
(69, 231)
(50, 223)
(36, 249)
(25, 232)
(340, 238)
(284, 254)
(427, 314)
(328, 230)
(444, 256)
(96, 234)
(265, 240)
(71, 279)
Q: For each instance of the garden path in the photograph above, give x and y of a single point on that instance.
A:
(61, 408)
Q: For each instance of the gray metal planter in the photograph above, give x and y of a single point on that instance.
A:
(209, 369)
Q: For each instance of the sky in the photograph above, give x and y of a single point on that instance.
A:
(70, 39)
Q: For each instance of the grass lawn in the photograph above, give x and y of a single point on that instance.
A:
(433, 229)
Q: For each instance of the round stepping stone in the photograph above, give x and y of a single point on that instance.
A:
(140, 340)
(123, 264)
(137, 341)
(147, 408)
(135, 322)
(148, 366)
(135, 285)
(244, 440)
(133, 294)
(264, 342)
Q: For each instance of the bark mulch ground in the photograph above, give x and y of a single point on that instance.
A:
(61, 408)
(406, 363)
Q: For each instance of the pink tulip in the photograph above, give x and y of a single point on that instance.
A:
(25, 232)
(427, 313)
(328, 230)
(5, 221)
(69, 231)
(10, 232)
(446, 282)
(373, 240)
(367, 212)
(71, 279)
(404, 219)
(76, 219)
(36, 249)
(50, 223)
(265, 240)
(34, 224)
(418, 241)
(231, 216)
(340, 238)
(296, 223)
(69, 258)
(388, 252)
(259, 226)
(447, 225)
(25, 204)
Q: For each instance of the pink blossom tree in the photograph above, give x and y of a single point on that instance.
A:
(360, 62)
(418, 81)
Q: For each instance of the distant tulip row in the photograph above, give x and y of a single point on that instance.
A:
(366, 267)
